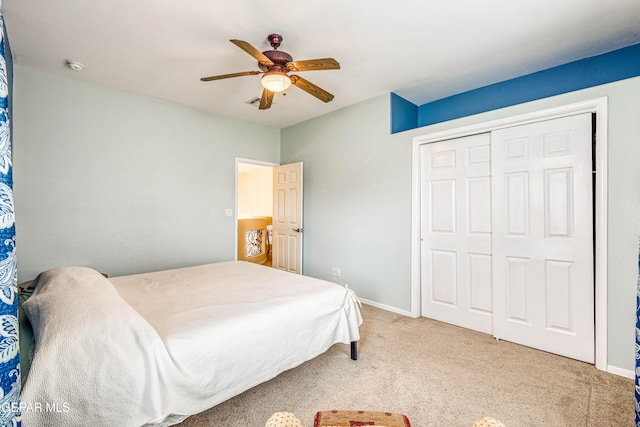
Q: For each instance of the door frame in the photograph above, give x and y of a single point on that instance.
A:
(235, 207)
(599, 106)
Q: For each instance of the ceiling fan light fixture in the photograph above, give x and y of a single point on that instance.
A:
(276, 81)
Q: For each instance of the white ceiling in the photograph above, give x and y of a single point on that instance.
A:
(421, 50)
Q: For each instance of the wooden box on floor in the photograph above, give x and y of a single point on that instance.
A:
(360, 418)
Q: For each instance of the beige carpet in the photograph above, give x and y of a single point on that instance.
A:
(438, 375)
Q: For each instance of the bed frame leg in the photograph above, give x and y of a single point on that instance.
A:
(354, 350)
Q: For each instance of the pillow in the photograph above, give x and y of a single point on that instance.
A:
(27, 340)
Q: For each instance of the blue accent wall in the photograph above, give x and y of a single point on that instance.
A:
(597, 70)
(404, 114)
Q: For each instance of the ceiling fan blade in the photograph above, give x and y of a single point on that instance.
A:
(247, 47)
(314, 64)
(267, 98)
(311, 89)
(227, 76)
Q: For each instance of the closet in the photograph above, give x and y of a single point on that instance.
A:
(506, 234)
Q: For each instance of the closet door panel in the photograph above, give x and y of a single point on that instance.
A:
(542, 243)
(456, 232)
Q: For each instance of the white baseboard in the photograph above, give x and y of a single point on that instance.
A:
(622, 372)
(386, 307)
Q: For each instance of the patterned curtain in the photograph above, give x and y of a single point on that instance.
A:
(638, 345)
(9, 348)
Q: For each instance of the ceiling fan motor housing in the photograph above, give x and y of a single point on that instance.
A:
(279, 59)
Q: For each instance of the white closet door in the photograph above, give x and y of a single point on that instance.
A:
(456, 232)
(542, 236)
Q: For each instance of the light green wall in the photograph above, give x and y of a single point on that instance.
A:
(125, 184)
(120, 182)
(357, 200)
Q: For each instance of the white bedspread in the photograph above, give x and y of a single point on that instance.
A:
(154, 348)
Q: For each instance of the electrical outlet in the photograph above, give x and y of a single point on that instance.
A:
(335, 271)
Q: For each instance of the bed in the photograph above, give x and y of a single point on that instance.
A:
(152, 349)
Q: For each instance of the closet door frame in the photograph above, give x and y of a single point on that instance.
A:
(598, 106)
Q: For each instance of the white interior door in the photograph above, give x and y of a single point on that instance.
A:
(456, 232)
(287, 217)
(542, 236)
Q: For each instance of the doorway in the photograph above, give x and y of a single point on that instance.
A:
(598, 108)
(269, 205)
(254, 208)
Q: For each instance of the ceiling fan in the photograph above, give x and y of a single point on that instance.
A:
(276, 65)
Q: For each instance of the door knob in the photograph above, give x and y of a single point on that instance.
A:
(297, 230)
